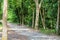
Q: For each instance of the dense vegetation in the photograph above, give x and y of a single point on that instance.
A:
(24, 12)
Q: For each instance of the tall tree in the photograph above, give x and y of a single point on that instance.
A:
(33, 19)
(33, 12)
(22, 12)
(58, 19)
(38, 6)
(42, 18)
(4, 33)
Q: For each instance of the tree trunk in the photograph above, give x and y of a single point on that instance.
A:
(38, 6)
(58, 19)
(33, 19)
(22, 19)
(4, 33)
(22, 12)
(37, 15)
(42, 18)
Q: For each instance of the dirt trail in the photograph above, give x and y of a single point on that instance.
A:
(30, 33)
(23, 33)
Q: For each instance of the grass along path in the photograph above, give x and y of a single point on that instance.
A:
(48, 31)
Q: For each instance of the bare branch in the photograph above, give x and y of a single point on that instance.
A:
(40, 3)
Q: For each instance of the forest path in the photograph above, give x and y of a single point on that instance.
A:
(30, 34)
(24, 33)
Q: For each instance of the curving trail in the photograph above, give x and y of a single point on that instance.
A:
(17, 32)
(30, 33)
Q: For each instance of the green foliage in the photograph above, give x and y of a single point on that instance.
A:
(50, 7)
(11, 16)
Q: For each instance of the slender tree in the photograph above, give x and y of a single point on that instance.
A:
(21, 16)
(42, 18)
(33, 19)
(4, 33)
(58, 18)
